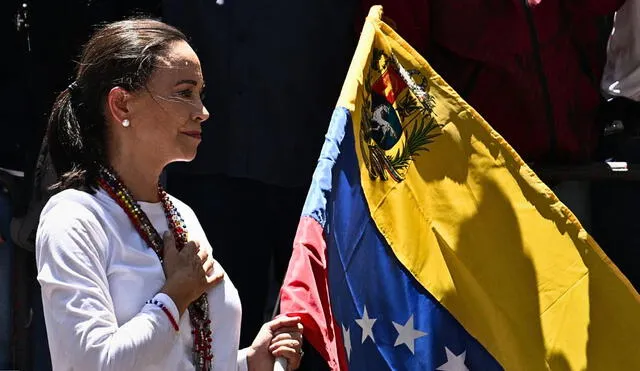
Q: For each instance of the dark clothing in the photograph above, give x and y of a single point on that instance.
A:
(532, 72)
(615, 206)
(247, 223)
(274, 71)
(615, 203)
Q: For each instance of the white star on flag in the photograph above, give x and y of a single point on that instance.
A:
(346, 337)
(454, 362)
(367, 326)
(407, 334)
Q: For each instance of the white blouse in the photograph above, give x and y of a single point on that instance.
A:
(96, 274)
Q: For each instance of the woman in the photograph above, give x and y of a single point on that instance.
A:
(117, 295)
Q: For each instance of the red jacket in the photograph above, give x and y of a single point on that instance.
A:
(531, 70)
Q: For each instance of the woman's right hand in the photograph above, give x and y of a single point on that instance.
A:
(189, 272)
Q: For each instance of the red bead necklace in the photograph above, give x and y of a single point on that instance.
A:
(199, 309)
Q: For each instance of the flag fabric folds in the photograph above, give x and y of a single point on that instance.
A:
(426, 243)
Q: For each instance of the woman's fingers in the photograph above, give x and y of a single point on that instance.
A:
(207, 267)
(214, 278)
(283, 322)
(203, 254)
(292, 355)
(292, 334)
(296, 328)
(285, 343)
(287, 340)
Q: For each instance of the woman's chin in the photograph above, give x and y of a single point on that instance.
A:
(185, 157)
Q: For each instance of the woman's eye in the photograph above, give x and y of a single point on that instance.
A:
(185, 93)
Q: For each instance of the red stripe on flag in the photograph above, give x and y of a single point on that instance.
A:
(305, 293)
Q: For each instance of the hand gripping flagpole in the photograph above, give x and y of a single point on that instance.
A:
(281, 362)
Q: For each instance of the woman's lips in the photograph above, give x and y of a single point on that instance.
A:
(193, 134)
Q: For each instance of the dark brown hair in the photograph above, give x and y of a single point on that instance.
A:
(123, 54)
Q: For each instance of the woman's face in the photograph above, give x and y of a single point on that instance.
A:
(166, 116)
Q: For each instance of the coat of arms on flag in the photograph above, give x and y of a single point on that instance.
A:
(394, 106)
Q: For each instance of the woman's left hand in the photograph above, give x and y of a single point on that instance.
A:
(281, 337)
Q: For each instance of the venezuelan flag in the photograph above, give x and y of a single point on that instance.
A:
(426, 243)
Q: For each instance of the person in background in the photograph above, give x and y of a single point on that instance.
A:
(616, 203)
(277, 67)
(127, 273)
(621, 76)
(531, 68)
(13, 135)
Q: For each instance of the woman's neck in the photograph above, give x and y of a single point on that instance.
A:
(139, 177)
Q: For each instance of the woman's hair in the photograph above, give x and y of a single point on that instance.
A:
(123, 54)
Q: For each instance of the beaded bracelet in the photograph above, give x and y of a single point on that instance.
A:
(166, 311)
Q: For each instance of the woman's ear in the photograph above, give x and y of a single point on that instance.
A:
(117, 105)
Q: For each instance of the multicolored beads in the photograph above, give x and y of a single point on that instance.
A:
(199, 309)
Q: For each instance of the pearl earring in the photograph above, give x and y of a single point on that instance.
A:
(126, 123)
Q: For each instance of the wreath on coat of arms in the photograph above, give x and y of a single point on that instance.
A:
(396, 100)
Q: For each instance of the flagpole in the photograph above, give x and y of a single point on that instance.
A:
(280, 365)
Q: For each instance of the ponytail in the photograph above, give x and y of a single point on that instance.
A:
(75, 159)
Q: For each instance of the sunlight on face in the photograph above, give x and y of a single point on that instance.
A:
(167, 116)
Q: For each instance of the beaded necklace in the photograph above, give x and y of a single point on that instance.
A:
(199, 309)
